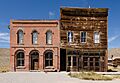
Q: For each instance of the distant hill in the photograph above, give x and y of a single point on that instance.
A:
(4, 57)
(114, 51)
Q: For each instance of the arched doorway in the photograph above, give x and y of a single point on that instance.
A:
(34, 60)
(48, 59)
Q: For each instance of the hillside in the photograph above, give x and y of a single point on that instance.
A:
(4, 57)
(114, 51)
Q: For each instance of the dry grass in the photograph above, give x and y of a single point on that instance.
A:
(4, 69)
(114, 68)
(90, 76)
(4, 59)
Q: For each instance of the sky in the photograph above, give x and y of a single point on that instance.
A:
(50, 9)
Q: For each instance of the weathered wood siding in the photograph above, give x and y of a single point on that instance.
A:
(89, 20)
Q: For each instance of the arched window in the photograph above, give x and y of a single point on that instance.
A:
(20, 35)
(48, 59)
(20, 59)
(70, 37)
(34, 37)
(49, 37)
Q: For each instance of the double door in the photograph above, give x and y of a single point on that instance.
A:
(72, 63)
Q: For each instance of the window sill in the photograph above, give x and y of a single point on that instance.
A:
(83, 42)
(20, 67)
(21, 44)
(96, 43)
(35, 44)
(49, 44)
(49, 67)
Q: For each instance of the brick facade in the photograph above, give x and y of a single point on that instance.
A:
(41, 26)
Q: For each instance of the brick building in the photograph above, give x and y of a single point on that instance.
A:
(34, 45)
(78, 41)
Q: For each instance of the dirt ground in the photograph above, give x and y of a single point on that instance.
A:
(42, 77)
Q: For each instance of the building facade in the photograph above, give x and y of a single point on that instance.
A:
(83, 37)
(77, 42)
(34, 45)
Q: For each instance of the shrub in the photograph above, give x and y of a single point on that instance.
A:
(90, 76)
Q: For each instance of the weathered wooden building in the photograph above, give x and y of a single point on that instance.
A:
(83, 37)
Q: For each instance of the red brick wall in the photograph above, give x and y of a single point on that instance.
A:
(41, 27)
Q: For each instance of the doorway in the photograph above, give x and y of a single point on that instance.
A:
(34, 60)
(62, 59)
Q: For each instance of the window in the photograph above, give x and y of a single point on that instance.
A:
(74, 61)
(49, 59)
(83, 37)
(96, 37)
(20, 59)
(69, 60)
(34, 37)
(70, 37)
(49, 37)
(20, 37)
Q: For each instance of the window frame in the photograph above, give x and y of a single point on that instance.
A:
(19, 39)
(21, 59)
(47, 39)
(98, 39)
(82, 38)
(71, 36)
(33, 42)
(49, 59)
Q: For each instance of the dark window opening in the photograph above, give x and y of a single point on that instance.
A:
(69, 60)
(20, 59)
(91, 63)
(85, 58)
(91, 59)
(83, 37)
(49, 59)
(96, 63)
(74, 61)
(97, 59)
(85, 64)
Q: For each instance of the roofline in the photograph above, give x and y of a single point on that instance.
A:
(68, 7)
(80, 7)
(34, 20)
